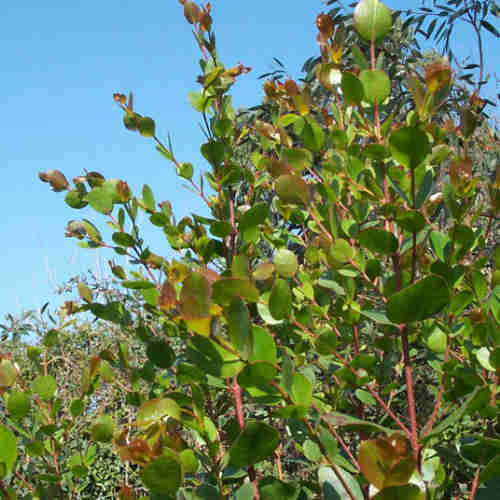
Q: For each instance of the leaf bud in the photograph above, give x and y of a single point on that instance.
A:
(325, 24)
(55, 178)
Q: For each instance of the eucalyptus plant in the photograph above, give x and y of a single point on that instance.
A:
(330, 327)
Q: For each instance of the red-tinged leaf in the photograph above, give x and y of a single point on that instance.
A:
(195, 297)
(168, 296)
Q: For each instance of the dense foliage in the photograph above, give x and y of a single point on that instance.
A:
(330, 326)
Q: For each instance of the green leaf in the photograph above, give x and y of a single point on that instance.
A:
(186, 170)
(409, 146)
(163, 476)
(92, 232)
(225, 289)
(436, 341)
(45, 386)
(273, 489)
(137, 284)
(376, 85)
(372, 20)
(326, 343)
(332, 486)
(264, 348)
(411, 221)
(341, 251)
(254, 216)
(406, 492)
(102, 430)
(301, 390)
(454, 417)
(160, 354)
(240, 327)
(441, 245)
(213, 358)
(292, 189)
(148, 198)
(123, 239)
(113, 311)
(378, 241)
(313, 136)
(256, 443)
(8, 373)
(75, 199)
(213, 152)
(343, 420)
(352, 88)
(76, 407)
(491, 471)
(146, 126)
(101, 200)
(155, 410)
(257, 374)
(280, 300)
(285, 262)
(245, 492)
(483, 356)
(18, 404)
(8, 450)
(421, 300)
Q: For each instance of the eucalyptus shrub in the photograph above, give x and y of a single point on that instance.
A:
(330, 327)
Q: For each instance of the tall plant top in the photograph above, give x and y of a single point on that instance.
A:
(331, 327)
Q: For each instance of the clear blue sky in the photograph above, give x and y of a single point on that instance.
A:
(61, 63)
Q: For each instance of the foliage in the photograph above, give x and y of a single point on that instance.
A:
(330, 328)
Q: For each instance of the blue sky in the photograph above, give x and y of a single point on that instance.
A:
(61, 63)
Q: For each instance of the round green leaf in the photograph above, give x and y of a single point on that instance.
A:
(163, 475)
(437, 340)
(376, 85)
(372, 20)
(280, 300)
(101, 199)
(256, 443)
(160, 354)
(285, 263)
(8, 450)
(155, 410)
(102, 430)
(74, 199)
(45, 386)
(419, 301)
(378, 241)
(409, 146)
(186, 170)
(8, 373)
(18, 404)
(146, 126)
(352, 88)
(292, 189)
